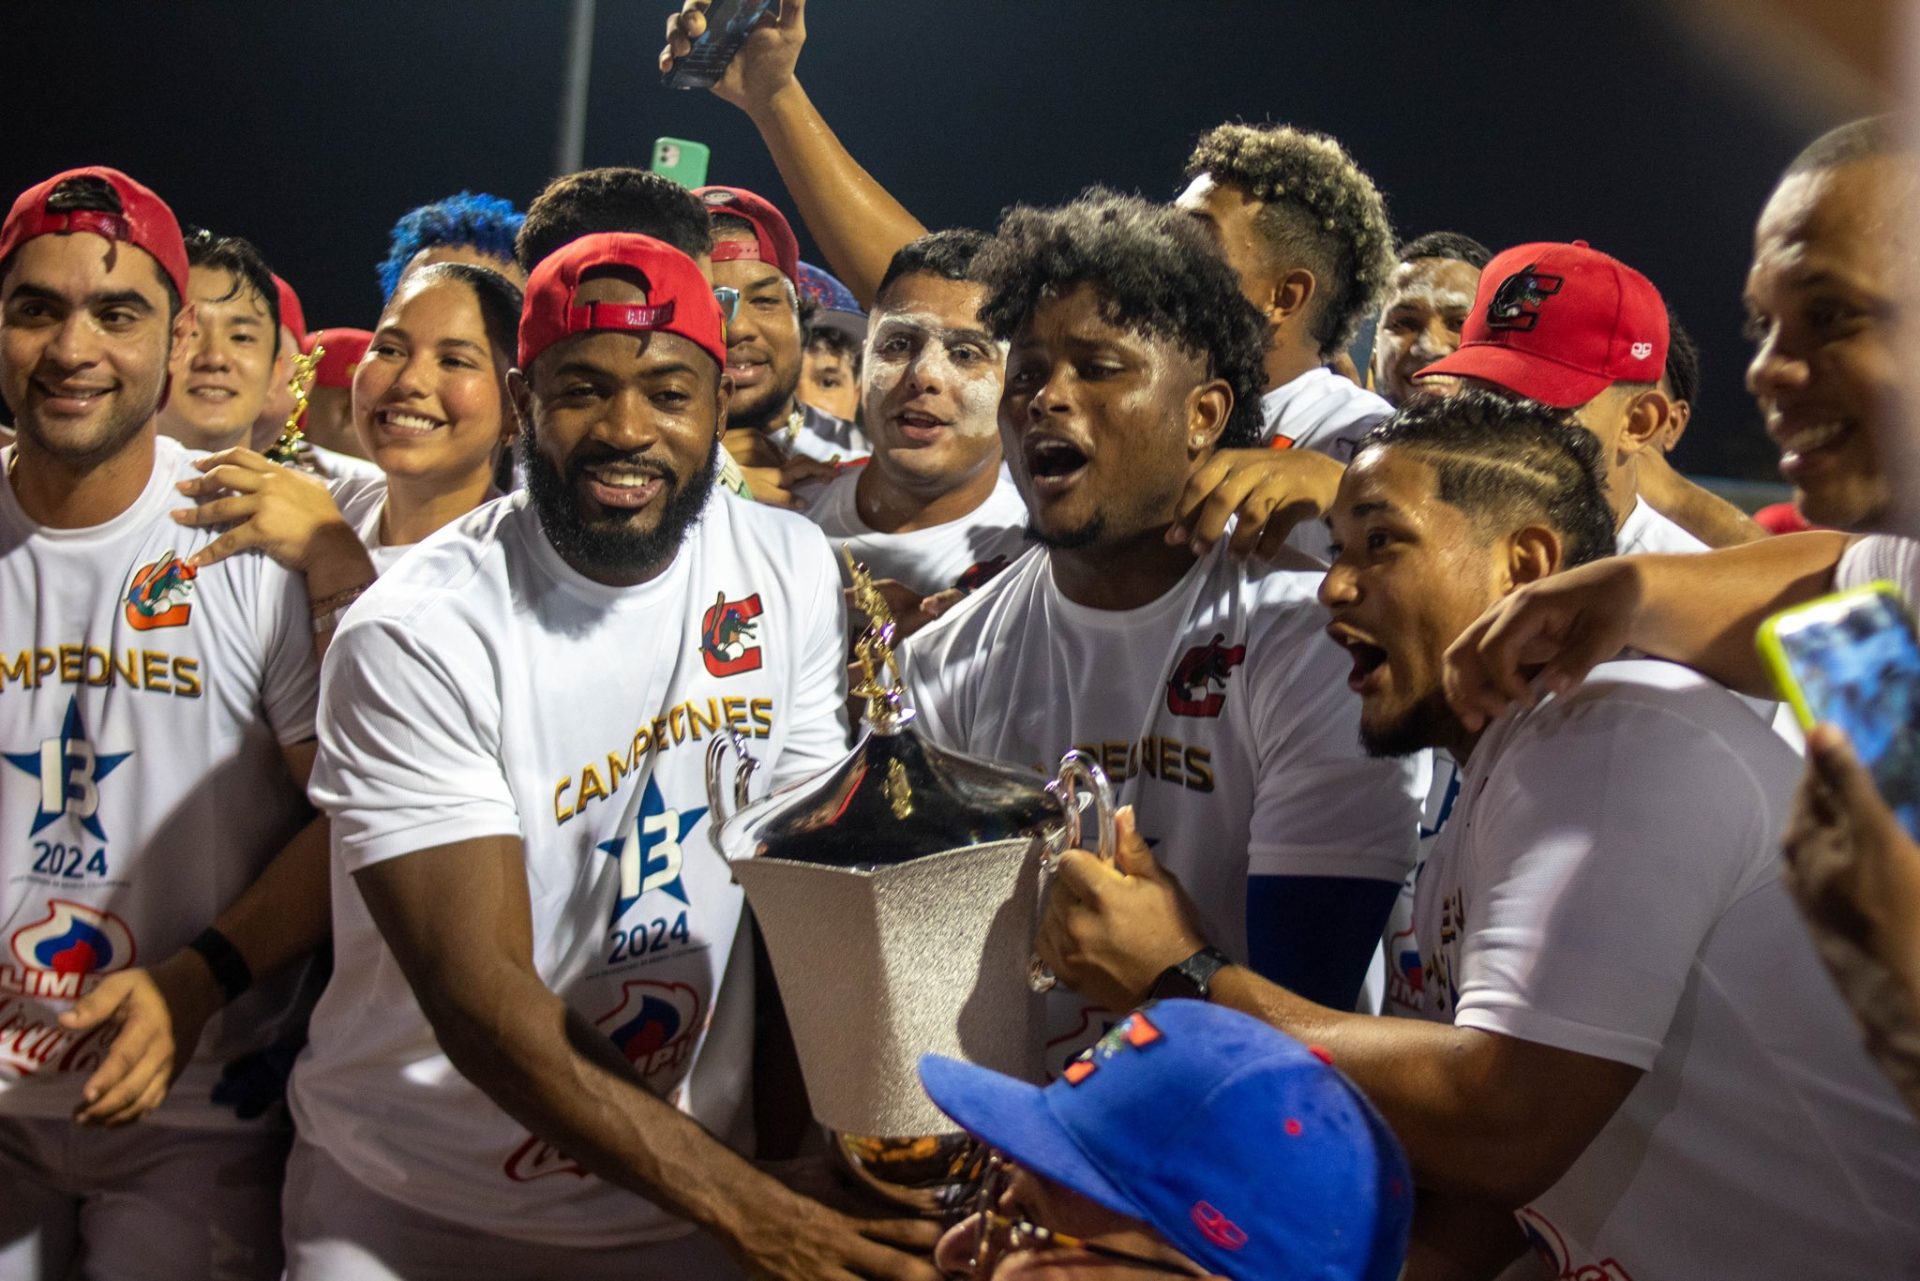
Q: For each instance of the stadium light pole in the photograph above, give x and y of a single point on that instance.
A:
(571, 144)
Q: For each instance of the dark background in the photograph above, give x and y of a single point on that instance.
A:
(310, 128)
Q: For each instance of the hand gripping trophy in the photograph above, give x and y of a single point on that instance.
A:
(926, 868)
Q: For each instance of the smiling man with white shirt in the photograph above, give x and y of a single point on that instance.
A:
(534, 1056)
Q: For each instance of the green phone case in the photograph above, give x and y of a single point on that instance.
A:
(1774, 654)
(682, 160)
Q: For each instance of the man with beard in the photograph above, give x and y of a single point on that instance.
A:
(1623, 1041)
(756, 256)
(931, 510)
(223, 377)
(619, 198)
(161, 873)
(533, 1056)
(1203, 686)
(1824, 298)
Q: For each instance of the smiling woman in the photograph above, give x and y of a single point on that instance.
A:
(431, 407)
(429, 399)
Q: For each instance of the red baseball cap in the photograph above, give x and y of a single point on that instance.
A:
(773, 240)
(1560, 324)
(292, 315)
(144, 221)
(343, 351)
(679, 299)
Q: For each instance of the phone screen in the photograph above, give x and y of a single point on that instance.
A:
(1856, 663)
(729, 23)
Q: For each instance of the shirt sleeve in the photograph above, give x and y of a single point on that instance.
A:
(290, 675)
(410, 750)
(1878, 557)
(1323, 807)
(817, 735)
(1593, 881)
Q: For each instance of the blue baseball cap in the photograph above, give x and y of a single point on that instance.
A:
(1246, 1150)
(834, 304)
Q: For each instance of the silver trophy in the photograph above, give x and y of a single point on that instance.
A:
(899, 892)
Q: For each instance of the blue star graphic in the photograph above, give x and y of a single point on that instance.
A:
(649, 853)
(69, 772)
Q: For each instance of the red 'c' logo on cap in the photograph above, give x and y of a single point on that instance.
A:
(1217, 1227)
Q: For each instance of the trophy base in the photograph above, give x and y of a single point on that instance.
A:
(931, 1175)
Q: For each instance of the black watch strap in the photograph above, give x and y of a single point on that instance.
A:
(1192, 978)
(230, 969)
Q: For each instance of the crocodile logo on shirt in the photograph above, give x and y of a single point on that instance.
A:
(157, 594)
(727, 633)
(1198, 686)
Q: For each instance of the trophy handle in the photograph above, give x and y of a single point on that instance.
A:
(718, 810)
(1078, 772)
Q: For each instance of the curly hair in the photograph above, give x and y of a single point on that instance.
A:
(1157, 274)
(613, 199)
(485, 222)
(1321, 212)
(1506, 462)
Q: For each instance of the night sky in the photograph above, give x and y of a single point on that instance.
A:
(309, 128)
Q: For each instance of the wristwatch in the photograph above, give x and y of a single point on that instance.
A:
(1192, 978)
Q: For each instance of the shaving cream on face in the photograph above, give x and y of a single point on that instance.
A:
(906, 342)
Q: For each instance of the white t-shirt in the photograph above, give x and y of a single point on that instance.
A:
(973, 548)
(485, 688)
(1322, 411)
(1220, 710)
(1327, 413)
(1646, 530)
(1881, 556)
(362, 501)
(331, 465)
(1610, 885)
(143, 706)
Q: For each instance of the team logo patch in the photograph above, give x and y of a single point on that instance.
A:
(1217, 1227)
(70, 772)
(727, 632)
(1198, 686)
(74, 940)
(1516, 303)
(656, 1025)
(157, 594)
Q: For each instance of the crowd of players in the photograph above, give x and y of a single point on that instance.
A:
(413, 962)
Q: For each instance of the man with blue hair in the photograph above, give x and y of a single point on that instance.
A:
(467, 226)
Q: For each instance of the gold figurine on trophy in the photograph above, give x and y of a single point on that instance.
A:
(288, 449)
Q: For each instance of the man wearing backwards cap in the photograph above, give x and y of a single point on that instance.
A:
(157, 855)
(533, 1058)
(1573, 328)
(755, 253)
(1190, 1140)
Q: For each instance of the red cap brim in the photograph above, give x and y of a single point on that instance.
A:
(1540, 378)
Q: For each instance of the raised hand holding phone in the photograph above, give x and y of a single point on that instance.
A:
(744, 50)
